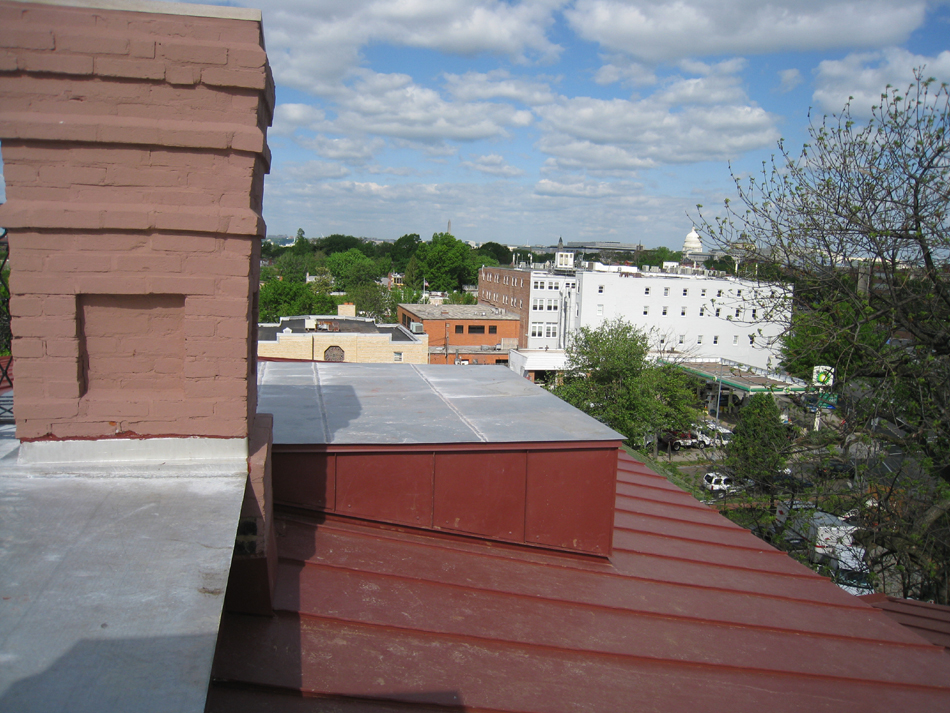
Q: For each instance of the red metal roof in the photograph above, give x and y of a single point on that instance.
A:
(691, 612)
(931, 621)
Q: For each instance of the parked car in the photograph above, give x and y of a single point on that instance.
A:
(677, 440)
(718, 484)
(711, 434)
(786, 482)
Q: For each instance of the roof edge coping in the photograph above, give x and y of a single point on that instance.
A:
(158, 8)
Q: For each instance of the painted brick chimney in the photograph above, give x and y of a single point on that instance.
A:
(134, 151)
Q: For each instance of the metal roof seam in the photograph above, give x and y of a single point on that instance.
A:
(807, 575)
(765, 549)
(639, 657)
(862, 608)
(731, 527)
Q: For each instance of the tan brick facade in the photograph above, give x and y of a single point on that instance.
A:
(134, 150)
(357, 348)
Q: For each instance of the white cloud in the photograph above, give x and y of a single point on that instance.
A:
(312, 46)
(607, 135)
(499, 84)
(493, 165)
(790, 78)
(351, 150)
(658, 30)
(621, 69)
(864, 76)
(305, 173)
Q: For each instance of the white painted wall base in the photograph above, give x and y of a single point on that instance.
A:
(138, 451)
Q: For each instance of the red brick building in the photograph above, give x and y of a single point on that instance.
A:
(473, 334)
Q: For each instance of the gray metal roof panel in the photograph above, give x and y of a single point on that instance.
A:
(356, 404)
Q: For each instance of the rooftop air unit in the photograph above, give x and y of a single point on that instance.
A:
(416, 328)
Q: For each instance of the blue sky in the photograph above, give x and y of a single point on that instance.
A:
(588, 119)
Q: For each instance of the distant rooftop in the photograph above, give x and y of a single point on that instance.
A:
(318, 403)
(267, 332)
(458, 312)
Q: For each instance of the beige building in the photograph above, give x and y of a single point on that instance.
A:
(341, 339)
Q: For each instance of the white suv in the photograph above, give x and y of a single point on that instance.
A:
(717, 483)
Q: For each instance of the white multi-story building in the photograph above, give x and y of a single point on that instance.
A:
(688, 312)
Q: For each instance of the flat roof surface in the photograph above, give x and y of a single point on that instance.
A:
(267, 332)
(459, 312)
(742, 377)
(360, 404)
(112, 584)
(691, 613)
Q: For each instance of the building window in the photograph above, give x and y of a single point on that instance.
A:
(397, 356)
(646, 290)
(716, 339)
(662, 340)
(739, 293)
(600, 310)
(476, 329)
(550, 331)
(685, 292)
(702, 311)
(600, 289)
(702, 293)
(504, 299)
(459, 329)
(557, 285)
(552, 305)
(646, 309)
(738, 312)
(665, 310)
(699, 339)
(751, 339)
(492, 329)
(718, 310)
(682, 311)
(682, 339)
(735, 338)
(537, 329)
(754, 313)
(520, 303)
(719, 293)
(537, 304)
(666, 291)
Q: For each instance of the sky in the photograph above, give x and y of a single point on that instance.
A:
(525, 121)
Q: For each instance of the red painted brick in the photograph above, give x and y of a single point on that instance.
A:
(247, 58)
(109, 243)
(22, 38)
(39, 284)
(176, 74)
(47, 409)
(162, 410)
(21, 174)
(71, 175)
(62, 347)
(78, 429)
(125, 220)
(215, 388)
(216, 265)
(92, 44)
(132, 131)
(149, 263)
(144, 49)
(78, 262)
(129, 68)
(187, 222)
(109, 283)
(248, 79)
(113, 407)
(197, 53)
(28, 388)
(59, 306)
(199, 327)
(248, 140)
(232, 329)
(237, 288)
(216, 307)
(181, 285)
(196, 136)
(7, 61)
(55, 63)
(216, 347)
(27, 348)
(31, 260)
(32, 428)
(183, 243)
(246, 224)
(63, 389)
(120, 175)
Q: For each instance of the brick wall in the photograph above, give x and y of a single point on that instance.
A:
(357, 348)
(508, 289)
(134, 150)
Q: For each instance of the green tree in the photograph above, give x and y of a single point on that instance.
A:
(403, 250)
(372, 300)
(858, 223)
(413, 277)
(294, 266)
(499, 252)
(352, 268)
(610, 377)
(446, 263)
(759, 447)
(280, 298)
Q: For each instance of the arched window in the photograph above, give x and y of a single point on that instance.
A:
(333, 354)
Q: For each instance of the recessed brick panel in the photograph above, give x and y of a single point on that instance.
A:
(132, 342)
